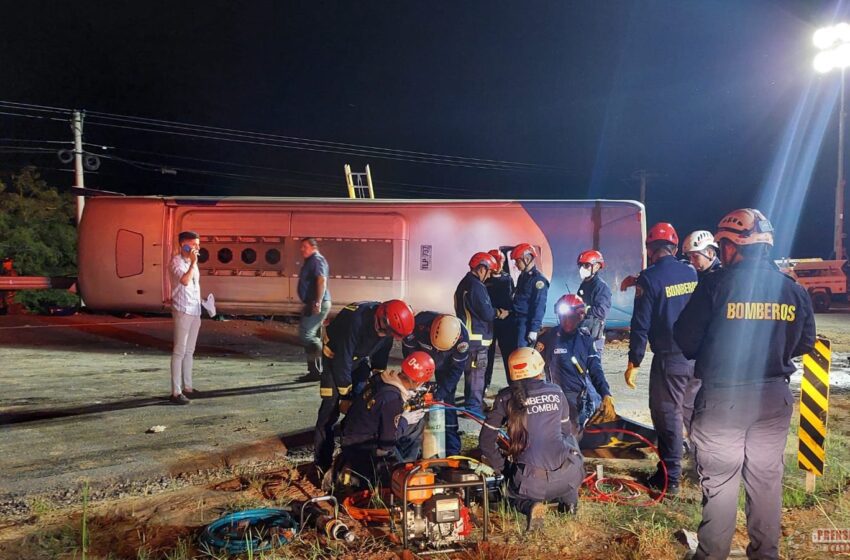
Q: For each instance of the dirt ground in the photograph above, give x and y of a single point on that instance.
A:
(80, 393)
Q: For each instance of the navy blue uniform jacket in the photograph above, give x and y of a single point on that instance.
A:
(450, 363)
(597, 296)
(501, 290)
(529, 304)
(550, 437)
(351, 338)
(558, 348)
(475, 311)
(744, 323)
(375, 420)
(662, 291)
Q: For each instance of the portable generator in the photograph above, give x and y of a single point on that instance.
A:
(436, 496)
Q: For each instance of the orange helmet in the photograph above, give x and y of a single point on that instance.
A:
(394, 317)
(499, 256)
(591, 256)
(746, 226)
(524, 363)
(482, 259)
(522, 250)
(418, 366)
(662, 231)
(571, 311)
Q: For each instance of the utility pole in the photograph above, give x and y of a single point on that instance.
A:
(643, 175)
(79, 182)
(838, 237)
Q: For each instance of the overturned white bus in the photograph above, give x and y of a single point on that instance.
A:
(416, 250)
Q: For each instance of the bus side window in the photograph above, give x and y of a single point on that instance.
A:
(129, 253)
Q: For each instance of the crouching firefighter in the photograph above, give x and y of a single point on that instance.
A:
(446, 340)
(543, 457)
(379, 418)
(574, 364)
(357, 342)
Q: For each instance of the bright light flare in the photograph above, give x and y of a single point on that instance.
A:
(825, 37)
(834, 44)
(835, 58)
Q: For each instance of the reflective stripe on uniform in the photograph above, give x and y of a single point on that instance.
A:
(326, 392)
(344, 390)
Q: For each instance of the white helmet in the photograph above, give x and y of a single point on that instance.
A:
(698, 241)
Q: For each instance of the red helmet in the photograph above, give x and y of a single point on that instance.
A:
(418, 366)
(394, 317)
(523, 249)
(662, 231)
(571, 311)
(499, 256)
(482, 259)
(591, 256)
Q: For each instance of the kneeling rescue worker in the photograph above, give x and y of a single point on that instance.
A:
(573, 363)
(544, 461)
(378, 419)
(357, 342)
(743, 325)
(446, 340)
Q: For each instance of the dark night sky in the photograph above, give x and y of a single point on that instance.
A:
(699, 93)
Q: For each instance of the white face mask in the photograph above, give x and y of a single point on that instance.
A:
(584, 273)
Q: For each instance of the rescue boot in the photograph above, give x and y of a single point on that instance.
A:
(568, 509)
(656, 483)
(314, 372)
(536, 516)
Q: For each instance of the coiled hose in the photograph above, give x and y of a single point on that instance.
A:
(253, 529)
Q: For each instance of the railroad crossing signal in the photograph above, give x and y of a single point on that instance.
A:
(814, 406)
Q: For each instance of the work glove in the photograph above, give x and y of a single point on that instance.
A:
(483, 468)
(628, 282)
(631, 375)
(531, 337)
(413, 417)
(344, 406)
(605, 412)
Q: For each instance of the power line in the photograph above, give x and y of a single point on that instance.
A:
(307, 141)
(290, 142)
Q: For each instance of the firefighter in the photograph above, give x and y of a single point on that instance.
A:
(446, 341)
(661, 292)
(595, 293)
(544, 461)
(573, 363)
(379, 418)
(529, 304)
(743, 325)
(357, 342)
(701, 250)
(500, 286)
(473, 306)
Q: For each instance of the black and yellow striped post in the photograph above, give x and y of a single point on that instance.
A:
(814, 405)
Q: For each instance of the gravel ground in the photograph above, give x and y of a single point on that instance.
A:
(80, 393)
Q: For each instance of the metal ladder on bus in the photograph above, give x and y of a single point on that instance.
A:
(359, 184)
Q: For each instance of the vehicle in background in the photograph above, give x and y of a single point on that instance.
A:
(826, 281)
(416, 250)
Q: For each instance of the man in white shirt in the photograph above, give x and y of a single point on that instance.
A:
(186, 310)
